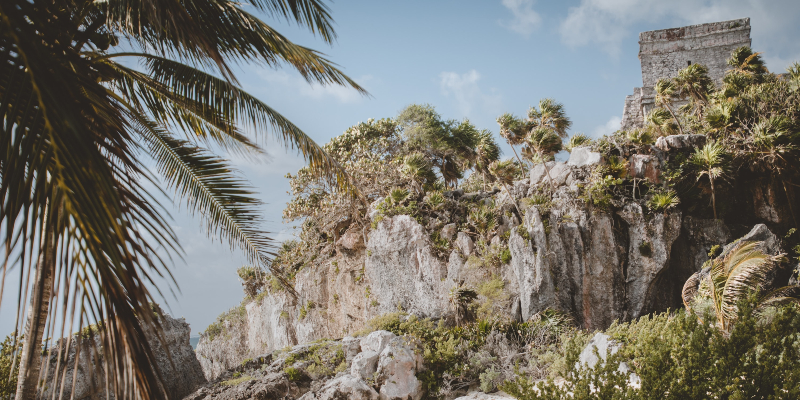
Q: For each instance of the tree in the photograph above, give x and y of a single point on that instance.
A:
(694, 82)
(544, 143)
(712, 159)
(731, 278)
(665, 92)
(76, 123)
(513, 130)
(577, 140)
(550, 115)
(486, 152)
(449, 144)
(504, 172)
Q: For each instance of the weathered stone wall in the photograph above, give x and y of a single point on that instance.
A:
(663, 53)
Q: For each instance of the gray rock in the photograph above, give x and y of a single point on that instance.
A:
(465, 244)
(365, 364)
(584, 157)
(604, 346)
(397, 370)
(760, 233)
(346, 387)
(680, 142)
(175, 358)
(376, 341)
(351, 347)
(352, 240)
(448, 231)
(538, 173)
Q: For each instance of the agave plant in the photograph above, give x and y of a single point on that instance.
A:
(640, 137)
(663, 201)
(730, 278)
(398, 195)
(483, 219)
(435, 199)
(578, 140)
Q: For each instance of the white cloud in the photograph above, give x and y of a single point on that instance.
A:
(316, 91)
(468, 95)
(610, 127)
(525, 20)
(606, 23)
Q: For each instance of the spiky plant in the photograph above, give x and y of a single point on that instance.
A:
(578, 140)
(665, 95)
(544, 143)
(483, 219)
(731, 277)
(417, 167)
(639, 137)
(745, 61)
(461, 300)
(712, 159)
(434, 199)
(505, 172)
(661, 121)
(398, 195)
(663, 201)
(486, 152)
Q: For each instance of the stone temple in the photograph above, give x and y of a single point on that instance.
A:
(665, 52)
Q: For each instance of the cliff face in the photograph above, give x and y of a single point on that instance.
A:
(598, 266)
(180, 370)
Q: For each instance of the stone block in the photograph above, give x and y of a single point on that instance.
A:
(397, 370)
(448, 231)
(376, 341)
(465, 244)
(347, 387)
(584, 157)
(680, 142)
(644, 166)
(365, 364)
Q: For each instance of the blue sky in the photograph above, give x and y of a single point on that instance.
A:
(470, 59)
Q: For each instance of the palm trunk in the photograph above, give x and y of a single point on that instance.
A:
(546, 170)
(31, 359)
(517, 155)
(680, 128)
(511, 196)
(713, 198)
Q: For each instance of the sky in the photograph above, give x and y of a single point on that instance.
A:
(469, 59)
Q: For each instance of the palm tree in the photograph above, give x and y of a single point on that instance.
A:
(694, 82)
(550, 115)
(731, 278)
(76, 125)
(544, 143)
(513, 130)
(578, 140)
(665, 92)
(505, 172)
(486, 152)
(712, 159)
(661, 121)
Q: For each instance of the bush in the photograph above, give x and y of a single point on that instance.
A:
(679, 357)
(8, 381)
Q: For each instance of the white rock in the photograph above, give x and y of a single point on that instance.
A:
(347, 387)
(464, 243)
(365, 364)
(680, 142)
(484, 396)
(397, 370)
(538, 173)
(376, 341)
(584, 156)
(604, 344)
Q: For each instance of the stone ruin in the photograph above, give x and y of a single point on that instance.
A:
(665, 52)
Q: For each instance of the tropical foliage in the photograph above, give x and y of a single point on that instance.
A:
(78, 124)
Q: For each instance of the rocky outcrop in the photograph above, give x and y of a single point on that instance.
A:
(596, 264)
(175, 359)
(379, 366)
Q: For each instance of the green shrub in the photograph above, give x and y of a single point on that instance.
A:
(679, 357)
(505, 255)
(8, 381)
(293, 374)
(235, 316)
(236, 380)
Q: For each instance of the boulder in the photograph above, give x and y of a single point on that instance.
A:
(644, 166)
(346, 387)
(604, 345)
(351, 347)
(376, 341)
(465, 244)
(448, 231)
(365, 364)
(584, 157)
(397, 370)
(680, 142)
(538, 173)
